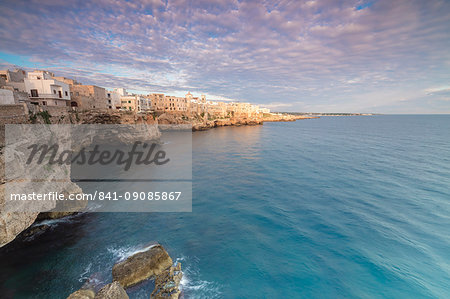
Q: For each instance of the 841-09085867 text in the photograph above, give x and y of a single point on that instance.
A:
(139, 195)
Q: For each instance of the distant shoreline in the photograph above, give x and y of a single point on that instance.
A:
(330, 114)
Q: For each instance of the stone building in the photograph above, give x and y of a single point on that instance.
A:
(44, 90)
(14, 79)
(176, 105)
(135, 103)
(112, 100)
(85, 97)
(197, 105)
(217, 109)
(89, 97)
(157, 101)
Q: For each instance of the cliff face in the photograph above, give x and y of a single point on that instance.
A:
(15, 219)
(13, 223)
(285, 117)
(16, 177)
(199, 123)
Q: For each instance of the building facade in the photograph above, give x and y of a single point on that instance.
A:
(135, 103)
(14, 79)
(157, 101)
(112, 100)
(44, 90)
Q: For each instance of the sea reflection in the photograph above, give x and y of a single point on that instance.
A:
(244, 142)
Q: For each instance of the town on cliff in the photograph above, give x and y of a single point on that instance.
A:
(41, 97)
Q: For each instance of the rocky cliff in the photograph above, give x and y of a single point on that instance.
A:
(15, 219)
(14, 222)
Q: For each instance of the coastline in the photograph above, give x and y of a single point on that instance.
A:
(14, 225)
(21, 226)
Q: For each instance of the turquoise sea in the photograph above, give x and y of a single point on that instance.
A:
(336, 207)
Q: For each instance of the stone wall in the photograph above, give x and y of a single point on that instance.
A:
(13, 114)
(54, 111)
(6, 97)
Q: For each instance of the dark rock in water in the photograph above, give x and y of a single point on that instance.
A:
(82, 294)
(167, 283)
(38, 229)
(141, 266)
(112, 291)
(64, 208)
(53, 215)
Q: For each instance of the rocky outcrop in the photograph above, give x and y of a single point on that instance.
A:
(167, 283)
(112, 291)
(141, 266)
(35, 229)
(19, 177)
(280, 117)
(205, 125)
(82, 294)
(170, 119)
(13, 222)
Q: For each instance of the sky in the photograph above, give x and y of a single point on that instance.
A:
(305, 56)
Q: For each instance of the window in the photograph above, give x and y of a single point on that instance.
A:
(66, 93)
(60, 93)
(39, 78)
(129, 102)
(44, 103)
(109, 101)
(54, 91)
(34, 93)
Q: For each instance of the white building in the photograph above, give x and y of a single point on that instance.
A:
(112, 100)
(6, 97)
(136, 103)
(144, 104)
(121, 91)
(46, 91)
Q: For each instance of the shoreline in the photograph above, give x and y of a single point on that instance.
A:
(32, 226)
(26, 223)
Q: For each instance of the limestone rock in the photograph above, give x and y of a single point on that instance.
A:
(33, 230)
(167, 283)
(166, 118)
(112, 291)
(82, 294)
(141, 266)
(24, 214)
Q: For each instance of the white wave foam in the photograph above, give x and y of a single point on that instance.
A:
(193, 287)
(92, 207)
(52, 222)
(190, 284)
(123, 253)
(83, 276)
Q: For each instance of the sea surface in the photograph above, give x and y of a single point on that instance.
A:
(336, 207)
